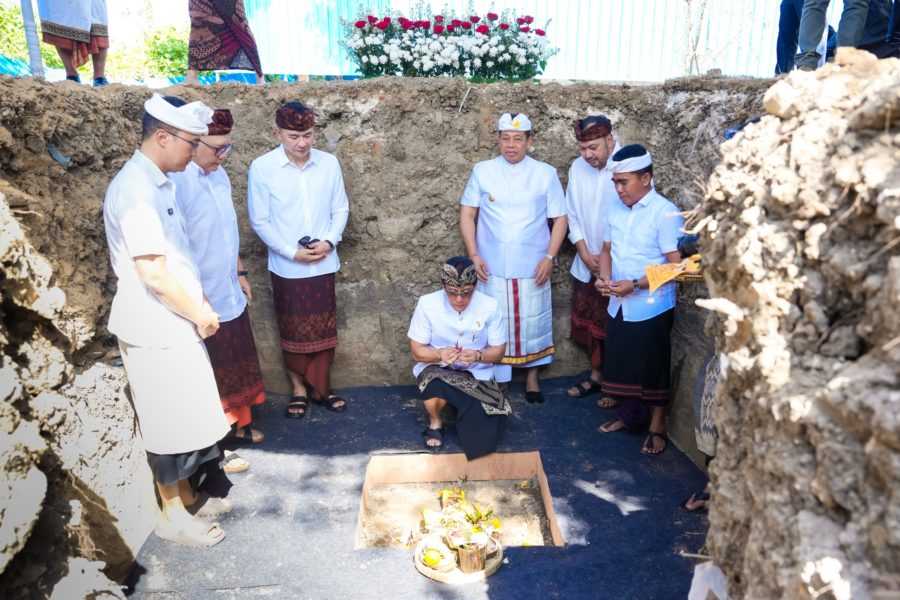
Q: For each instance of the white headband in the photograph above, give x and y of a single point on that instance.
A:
(192, 118)
(630, 165)
(508, 123)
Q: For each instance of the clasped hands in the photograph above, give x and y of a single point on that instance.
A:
(455, 355)
(314, 252)
(541, 273)
(620, 288)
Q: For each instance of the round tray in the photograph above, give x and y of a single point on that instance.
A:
(455, 576)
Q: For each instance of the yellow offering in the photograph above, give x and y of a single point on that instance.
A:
(658, 275)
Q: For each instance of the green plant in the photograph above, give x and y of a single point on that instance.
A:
(167, 52)
(12, 38)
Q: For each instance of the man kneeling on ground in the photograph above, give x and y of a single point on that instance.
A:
(457, 337)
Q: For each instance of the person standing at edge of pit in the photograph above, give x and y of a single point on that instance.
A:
(589, 192)
(160, 317)
(790, 13)
(857, 27)
(78, 29)
(299, 208)
(511, 197)
(220, 38)
(642, 229)
(203, 193)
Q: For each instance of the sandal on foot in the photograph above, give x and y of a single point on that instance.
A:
(297, 407)
(608, 426)
(696, 502)
(234, 463)
(194, 538)
(433, 434)
(333, 403)
(207, 506)
(606, 402)
(583, 392)
(255, 437)
(648, 448)
(534, 397)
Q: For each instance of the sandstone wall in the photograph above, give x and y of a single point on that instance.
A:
(801, 237)
(68, 453)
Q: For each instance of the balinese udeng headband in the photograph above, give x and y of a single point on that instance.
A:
(295, 116)
(192, 117)
(222, 122)
(630, 159)
(458, 272)
(517, 122)
(592, 128)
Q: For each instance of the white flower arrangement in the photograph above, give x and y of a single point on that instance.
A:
(483, 48)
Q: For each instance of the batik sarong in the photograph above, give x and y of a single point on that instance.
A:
(232, 352)
(306, 311)
(220, 37)
(589, 317)
(528, 319)
(80, 26)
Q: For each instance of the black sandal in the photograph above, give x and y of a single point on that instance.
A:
(332, 403)
(647, 446)
(534, 397)
(433, 434)
(296, 402)
(584, 392)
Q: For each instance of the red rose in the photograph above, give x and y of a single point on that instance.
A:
(386, 20)
(520, 20)
(372, 19)
(475, 19)
(438, 19)
(425, 24)
(450, 27)
(493, 16)
(524, 28)
(483, 29)
(360, 24)
(382, 25)
(504, 26)
(407, 26)
(540, 32)
(456, 22)
(529, 19)
(439, 29)
(466, 25)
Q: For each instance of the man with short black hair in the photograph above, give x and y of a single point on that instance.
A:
(299, 208)
(511, 197)
(642, 229)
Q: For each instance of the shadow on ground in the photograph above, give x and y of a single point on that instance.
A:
(292, 532)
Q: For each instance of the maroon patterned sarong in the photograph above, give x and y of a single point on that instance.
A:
(220, 37)
(589, 319)
(306, 310)
(232, 352)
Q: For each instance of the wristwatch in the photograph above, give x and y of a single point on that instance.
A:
(636, 284)
(243, 273)
(551, 258)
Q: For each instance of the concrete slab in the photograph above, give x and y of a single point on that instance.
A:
(292, 532)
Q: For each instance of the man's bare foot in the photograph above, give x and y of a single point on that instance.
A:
(612, 426)
(655, 443)
(606, 402)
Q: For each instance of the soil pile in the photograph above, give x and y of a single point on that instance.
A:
(801, 228)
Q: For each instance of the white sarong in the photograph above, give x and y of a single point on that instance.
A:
(74, 19)
(175, 397)
(528, 322)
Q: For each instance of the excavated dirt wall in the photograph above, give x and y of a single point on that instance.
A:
(69, 454)
(801, 237)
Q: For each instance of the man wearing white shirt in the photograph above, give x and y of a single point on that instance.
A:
(203, 193)
(299, 208)
(160, 317)
(457, 336)
(642, 229)
(503, 220)
(589, 192)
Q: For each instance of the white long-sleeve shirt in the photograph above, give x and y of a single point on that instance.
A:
(589, 193)
(287, 202)
(204, 200)
(514, 202)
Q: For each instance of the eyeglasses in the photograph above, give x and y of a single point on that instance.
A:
(459, 293)
(221, 151)
(192, 143)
